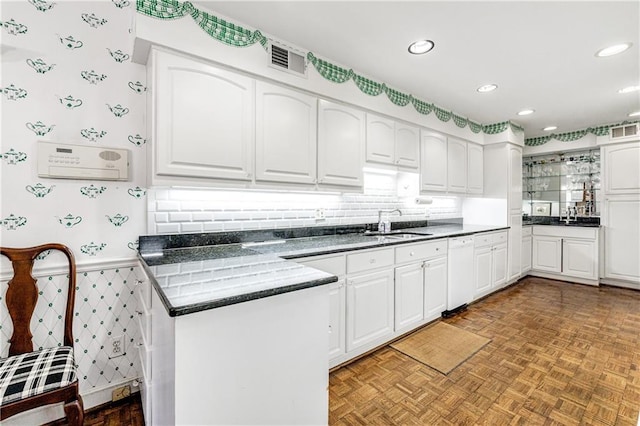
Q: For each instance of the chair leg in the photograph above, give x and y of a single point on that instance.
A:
(74, 410)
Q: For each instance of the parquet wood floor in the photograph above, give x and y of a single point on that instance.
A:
(561, 354)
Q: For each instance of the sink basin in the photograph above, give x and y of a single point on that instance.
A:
(396, 236)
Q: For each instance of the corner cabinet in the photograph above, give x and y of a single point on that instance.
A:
(341, 141)
(285, 135)
(201, 120)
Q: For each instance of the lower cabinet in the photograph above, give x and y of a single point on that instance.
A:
(409, 295)
(565, 252)
(525, 254)
(435, 287)
(370, 307)
(337, 303)
(490, 263)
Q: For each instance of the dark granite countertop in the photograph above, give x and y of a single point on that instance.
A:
(586, 222)
(231, 268)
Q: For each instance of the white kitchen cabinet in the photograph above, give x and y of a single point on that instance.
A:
(341, 142)
(515, 180)
(201, 120)
(622, 239)
(547, 252)
(392, 143)
(525, 254)
(621, 164)
(490, 262)
(407, 146)
(435, 287)
(370, 307)
(566, 252)
(337, 321)
(515, 246)
(475, 168)
(409, 295)
(433, 158)
(456, 166)
(286, 139)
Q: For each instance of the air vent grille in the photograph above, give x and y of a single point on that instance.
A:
(279, 56)
(629, 131)
(287, 60)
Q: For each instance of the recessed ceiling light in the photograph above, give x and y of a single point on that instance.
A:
(550, 128)
(526, 112)
(629, 89)
(613, 50)
(487, 88)
(421, 46)
(634, 114)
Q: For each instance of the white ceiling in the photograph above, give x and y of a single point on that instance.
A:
(540, 54)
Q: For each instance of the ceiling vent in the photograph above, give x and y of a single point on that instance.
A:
(625, 132)
(286, 59)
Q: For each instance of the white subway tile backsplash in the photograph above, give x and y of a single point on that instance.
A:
(202, 216)
(167, 228)
(167, 206)
(192, 227)
(179, 217)
(161, 217)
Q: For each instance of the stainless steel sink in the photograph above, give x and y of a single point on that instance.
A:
(396, 236)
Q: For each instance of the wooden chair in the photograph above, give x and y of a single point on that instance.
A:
(28, 378)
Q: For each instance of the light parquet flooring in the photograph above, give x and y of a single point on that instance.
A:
(561, 354)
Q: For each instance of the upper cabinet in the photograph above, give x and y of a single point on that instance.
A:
(389, 142)
(457, 166)
(621, 172)
(285, 135)
(341, 141)
(433, 174)
(475, 169)
(201, 120)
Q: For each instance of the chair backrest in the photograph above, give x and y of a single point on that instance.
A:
(22, 295)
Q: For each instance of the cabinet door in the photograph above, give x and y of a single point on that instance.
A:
(482, 271)
(515, 246)
(409, 295)
(433, 154)
(202, 120)
(515, 177)
(525, 255)
(457, 166)
(475, 168)
(285, 135)
(622, 168)
(341, 139)
(435, 287)
(547, 253)
(380, 139)
(407, 146)
(370, 312)
(499, 266)
(579, 258)
(622, 238)
(337, 323)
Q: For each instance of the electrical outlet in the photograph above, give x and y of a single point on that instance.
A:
(320, 214)
(116, 346)
(120, 393)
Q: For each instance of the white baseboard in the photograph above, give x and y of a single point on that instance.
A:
(53, 412)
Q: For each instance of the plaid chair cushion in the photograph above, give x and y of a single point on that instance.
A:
(33, 373)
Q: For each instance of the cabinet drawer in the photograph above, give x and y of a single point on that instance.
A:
(332, 265)
(566, 232)
(526, 231)
(492, 238)
(410, 252)
(143, 289)
(144, 353)
(368, 260)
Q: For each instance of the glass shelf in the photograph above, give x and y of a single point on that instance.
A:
(555, 183)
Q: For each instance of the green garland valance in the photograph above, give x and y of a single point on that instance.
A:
(235, 35)
(575, 135)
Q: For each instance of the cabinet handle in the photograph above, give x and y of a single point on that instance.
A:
(372, 261)
(411, 254)
(139, 312)
(437, 248)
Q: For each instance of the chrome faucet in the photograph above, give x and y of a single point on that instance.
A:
(385, 225)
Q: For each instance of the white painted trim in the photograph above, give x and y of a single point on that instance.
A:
(81, 267)
(50, 413)
(568, 279)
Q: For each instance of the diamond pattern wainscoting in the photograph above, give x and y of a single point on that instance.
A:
(105, 307)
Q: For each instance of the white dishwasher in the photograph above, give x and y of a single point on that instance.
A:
(460, 271)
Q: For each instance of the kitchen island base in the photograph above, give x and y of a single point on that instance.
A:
(259, 362)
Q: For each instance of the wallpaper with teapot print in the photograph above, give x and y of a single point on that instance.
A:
(67, 78)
